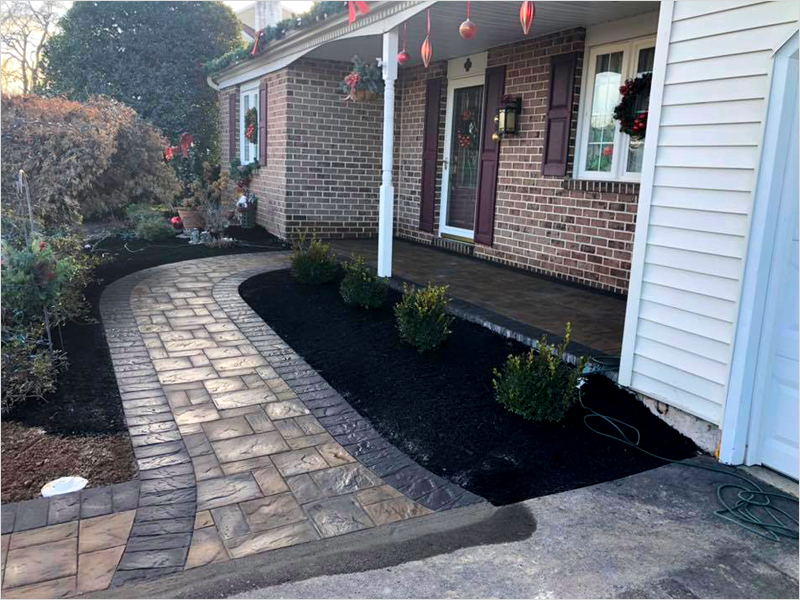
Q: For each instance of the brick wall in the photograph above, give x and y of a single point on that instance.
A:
(574, 230)
(333, 156)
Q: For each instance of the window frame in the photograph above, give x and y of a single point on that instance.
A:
(252, 90)
(630, 56)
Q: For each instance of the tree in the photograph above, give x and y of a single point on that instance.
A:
(25, 27)
(148, 55)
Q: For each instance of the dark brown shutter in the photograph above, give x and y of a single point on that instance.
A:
(489, 156)
(559, 114)
(233, 125)
(262, 122)
(430, 154)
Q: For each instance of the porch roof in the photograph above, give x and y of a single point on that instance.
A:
(498, 25)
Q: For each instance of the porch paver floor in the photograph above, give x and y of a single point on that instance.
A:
(597, 318)
(230, 432)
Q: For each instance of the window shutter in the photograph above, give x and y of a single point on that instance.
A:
(233, 125)
(559, 114)
(262, 122)
(489, 156)
(430, 153)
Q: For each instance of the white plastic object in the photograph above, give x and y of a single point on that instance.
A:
(63, 485)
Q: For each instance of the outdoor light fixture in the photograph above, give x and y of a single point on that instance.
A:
(506, 119)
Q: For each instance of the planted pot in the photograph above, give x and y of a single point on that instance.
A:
(362, 96)
(191, 218)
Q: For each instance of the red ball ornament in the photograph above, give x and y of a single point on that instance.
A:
(527, 12)
(468, 29)
(402, 57)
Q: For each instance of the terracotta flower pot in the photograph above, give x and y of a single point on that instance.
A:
(192, 219)
(362, 96)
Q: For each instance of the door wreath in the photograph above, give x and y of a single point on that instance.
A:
(631, 112)
(251, 126)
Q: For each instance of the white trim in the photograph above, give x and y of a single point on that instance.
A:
(452, 85)
(251, 91)
(622, 30)
(630, 52)
(743, 406)
(645, 192)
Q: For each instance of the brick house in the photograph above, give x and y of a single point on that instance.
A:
(696, 227)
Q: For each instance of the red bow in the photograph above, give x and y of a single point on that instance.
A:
(255, 42)
(363, 8)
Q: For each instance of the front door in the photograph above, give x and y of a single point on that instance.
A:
(462, 156)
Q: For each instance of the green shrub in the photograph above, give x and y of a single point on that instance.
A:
(539, 385)
(361, 286)
(29, 370)
(421, 317)
(314, 263)
(154, 228)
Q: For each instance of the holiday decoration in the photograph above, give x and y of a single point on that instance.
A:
(631, 112)
(251, 126)
(364, 82)
(467, 129)
(362, 7)
(468, 29)
(403, 56)
(176, 222)
(527, 12)
(427, 47)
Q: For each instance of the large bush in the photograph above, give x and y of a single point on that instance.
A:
(147, 55)
(361, 287)
(422, 318)
(539, 385)
(43, 283)
(82, 160)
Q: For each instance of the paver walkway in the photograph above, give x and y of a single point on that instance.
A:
(241, 447)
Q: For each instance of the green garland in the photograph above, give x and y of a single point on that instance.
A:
(318, 12)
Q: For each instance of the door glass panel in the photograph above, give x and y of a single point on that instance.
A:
(464, 157)
(644, 65)
(605, 96)
(245, 143)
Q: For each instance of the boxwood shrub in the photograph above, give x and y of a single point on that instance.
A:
(314, 263)
(422, 319)
(361, 287)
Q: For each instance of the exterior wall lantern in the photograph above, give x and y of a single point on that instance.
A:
(506, 118)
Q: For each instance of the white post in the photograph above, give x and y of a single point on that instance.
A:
(386, 208)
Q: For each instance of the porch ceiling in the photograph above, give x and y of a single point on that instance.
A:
(498, 24)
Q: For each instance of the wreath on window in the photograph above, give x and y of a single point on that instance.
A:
(635, 94)
(467, 130)
(251, 126)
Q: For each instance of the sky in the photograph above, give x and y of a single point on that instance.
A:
(296, 5)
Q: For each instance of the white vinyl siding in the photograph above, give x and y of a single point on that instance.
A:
(689, 260)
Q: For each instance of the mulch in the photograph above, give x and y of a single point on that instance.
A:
(80, 429)
(440, 408)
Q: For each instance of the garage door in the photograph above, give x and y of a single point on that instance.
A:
(779, 439)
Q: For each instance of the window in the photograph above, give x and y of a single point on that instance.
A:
(248, 152)
(603, 152)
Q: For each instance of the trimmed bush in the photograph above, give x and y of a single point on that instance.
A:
(83, 160)
(539, 385)
(314, 263)
(362, 287)
(421, 317)
(154, 228)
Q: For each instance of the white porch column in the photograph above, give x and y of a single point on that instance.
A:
(386, 208)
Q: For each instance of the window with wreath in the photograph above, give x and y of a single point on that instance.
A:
(606, 150)
(248, 124)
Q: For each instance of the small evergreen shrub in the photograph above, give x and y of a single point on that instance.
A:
(361, 286)
(539, 385)
(421, 317)
(154, 228)
(314, 263)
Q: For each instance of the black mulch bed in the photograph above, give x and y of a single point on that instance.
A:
(440, 409)
(87, 399)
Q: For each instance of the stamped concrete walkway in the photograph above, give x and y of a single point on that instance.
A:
(241, 447)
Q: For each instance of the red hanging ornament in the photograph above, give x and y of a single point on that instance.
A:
(362, 7)
(403, 56)
(468, 29)
(527, 12)
(427, 47)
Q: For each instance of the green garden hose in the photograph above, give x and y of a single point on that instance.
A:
(753, 508)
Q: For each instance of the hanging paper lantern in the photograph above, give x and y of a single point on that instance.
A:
(527, 12)
(427, 47)
(468, 29)
(403, 56)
